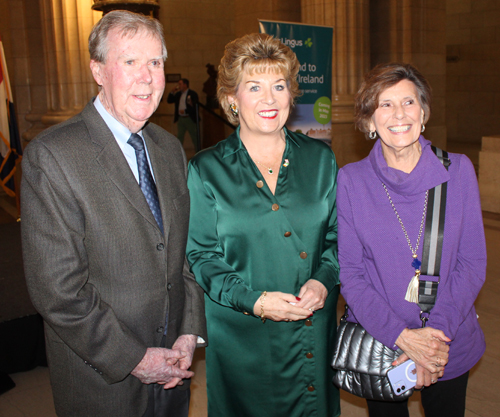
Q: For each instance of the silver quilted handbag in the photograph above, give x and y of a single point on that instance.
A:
(362, 363)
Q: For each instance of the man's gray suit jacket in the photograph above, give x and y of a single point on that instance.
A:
(98, 268)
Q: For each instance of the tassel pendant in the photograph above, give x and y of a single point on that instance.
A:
(412, 291)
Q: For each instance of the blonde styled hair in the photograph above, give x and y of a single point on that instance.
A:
(255, 53)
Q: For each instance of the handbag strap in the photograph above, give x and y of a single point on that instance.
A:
(433, 241)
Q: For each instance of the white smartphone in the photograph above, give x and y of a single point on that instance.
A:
(403, 377)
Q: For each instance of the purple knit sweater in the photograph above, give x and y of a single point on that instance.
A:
(375, 260)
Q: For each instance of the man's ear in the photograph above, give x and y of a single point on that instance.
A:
(95, 68)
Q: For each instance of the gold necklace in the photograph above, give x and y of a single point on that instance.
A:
(269, 170)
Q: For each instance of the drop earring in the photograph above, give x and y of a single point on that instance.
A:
(372, 134)
(234, 109)
(423, 128)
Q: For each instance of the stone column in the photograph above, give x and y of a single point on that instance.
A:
(351, 55)
(412, 31)
(65, 28)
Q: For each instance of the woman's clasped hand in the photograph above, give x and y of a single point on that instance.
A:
(428, 348)
(279, 306)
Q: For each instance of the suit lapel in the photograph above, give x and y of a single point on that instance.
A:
(111, 159)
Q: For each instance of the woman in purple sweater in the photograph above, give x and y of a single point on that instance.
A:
(381, 203)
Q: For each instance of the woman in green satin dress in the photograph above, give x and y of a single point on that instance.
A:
(263, 245)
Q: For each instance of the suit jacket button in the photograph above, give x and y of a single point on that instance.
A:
(160, 246)
(159, 329)
(169, 285)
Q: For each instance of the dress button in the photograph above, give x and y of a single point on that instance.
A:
(303, 255)
(309, 323)
(309, 355)
(159, 329)
(260, 184)
(310, 388)
(275, 207)
(246, 314)
(160, 246)
(288, 234)
(169, 286)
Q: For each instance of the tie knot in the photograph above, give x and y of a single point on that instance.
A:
(136, 142)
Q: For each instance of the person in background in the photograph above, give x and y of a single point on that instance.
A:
(382, 202)
(105, 211)
(185, 101)
(263, 245)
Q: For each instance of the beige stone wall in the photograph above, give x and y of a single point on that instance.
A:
(414, 31)
(246, 18)
(196, 32)
(473, 69)
(489, 174)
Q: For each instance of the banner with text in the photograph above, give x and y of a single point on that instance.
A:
(313, 46)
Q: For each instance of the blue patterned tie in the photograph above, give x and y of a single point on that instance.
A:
(146, 181)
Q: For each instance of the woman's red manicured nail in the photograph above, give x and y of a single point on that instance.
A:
(297, 298)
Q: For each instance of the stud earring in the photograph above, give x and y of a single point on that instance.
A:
(423, 128)
(372, 134)
(234, 109)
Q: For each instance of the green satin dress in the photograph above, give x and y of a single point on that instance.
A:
(244, 240)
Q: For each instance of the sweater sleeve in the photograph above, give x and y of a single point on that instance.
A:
(205, 253)
(368, 306)
(458, 291)
(328, 271)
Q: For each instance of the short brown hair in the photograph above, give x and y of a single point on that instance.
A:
(127, 24)
(379, 79)
(256, 52)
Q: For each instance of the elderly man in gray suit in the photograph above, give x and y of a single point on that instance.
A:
(105, 212)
